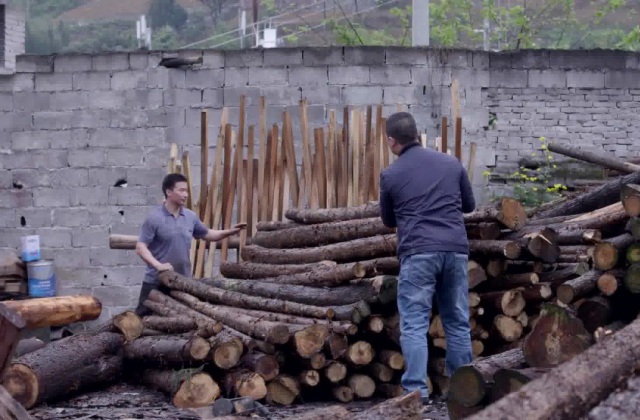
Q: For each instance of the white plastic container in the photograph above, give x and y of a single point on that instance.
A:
(31, 248)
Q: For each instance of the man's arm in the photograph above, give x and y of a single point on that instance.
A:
(386, 205)
(468, 201)
(142, 247)
(200, 231)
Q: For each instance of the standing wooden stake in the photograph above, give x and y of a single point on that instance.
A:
(204, 161)
(322, 166)
(251, 226)
(458, 138)
(262, 160)
(444, 135)
(307, 161)
(331, 169)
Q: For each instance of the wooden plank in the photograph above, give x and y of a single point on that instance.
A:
(378, 143)
(173, 157)
(444, 136)
(367, 156)
(263, 151)
(314, 196)
(322, 166)
(204, 161)
(345, 170)
(290, 153)
(458, 138)
(331, 154)
(251, 225)
(243, 193)
(455, 99)
(277, 180)
(187, 173)
(230, 189)
(11, 326)
(273, 179)
(354, 178)
(341, 167)
(471, 165)
(255, 210)
(239, 163)
(385, 146)
(307, 162)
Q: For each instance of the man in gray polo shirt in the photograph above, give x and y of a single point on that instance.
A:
(165, 239)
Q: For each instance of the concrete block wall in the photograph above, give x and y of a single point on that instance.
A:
(12, 36)
(71, 126)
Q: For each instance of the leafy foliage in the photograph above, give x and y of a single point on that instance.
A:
(167, 13)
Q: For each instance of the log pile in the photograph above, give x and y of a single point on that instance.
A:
(13, 277)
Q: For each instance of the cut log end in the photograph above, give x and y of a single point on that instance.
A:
(310, 340)
(199, 348)
(250, 384)
(512, 303)
(509, 329)
(512, 214)
(129, 324)
(335, 372)
(343, 394)
(631, 205)
(360, 353)
(605, 256)
(22, 383)
(362, 385)
(283, 390)
(198, 391)
(227, 354)
(608, 284)
(632, 278)
(309, 378)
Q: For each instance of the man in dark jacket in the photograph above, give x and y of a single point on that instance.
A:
(424, 194)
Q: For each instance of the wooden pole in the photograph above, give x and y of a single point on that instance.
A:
(204, 161)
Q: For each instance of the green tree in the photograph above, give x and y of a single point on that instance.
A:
(164, 38)
(167, 12)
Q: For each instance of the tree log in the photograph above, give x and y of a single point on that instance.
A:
(322, 234)
(180, 283)
(56, 311)
(63, 367)
(187, 390)
(169, 349)
(606, 254)
(355, 312)
(542, 245)
(509, 329)
(508, 212)
(375, 324)
(309, 216)
(622, 404)
(633, 227)
(470, 384)
(609, 162)
(129, 242)
(335, 372)
(331, 412)
(609, 282)
(263, 364)
(585, 381)
(519, 267)
(633, 253)
(457, 411)
(359, 353)
(579, 236)
(405, 407)
(630, 197)
(602, 333)
(256, 271)
(632, 279)
(283, 390)
(170, 325)
(254, 327)
(572, 289)
(309, 378)
(361, 385)
(483, 231)
(244, 383)
(556, 337)
(507, 249)
(226, 350)
(512, 280)
(392, 359)
(335, 346)
(329, 275)
(381, 372)
(509, 302)
(359, 249)
(603, 195)
(475, 274)
(310, 340)
(536, 292)
(507, 381)
(342, 393)
(270, 226)
(594, 313)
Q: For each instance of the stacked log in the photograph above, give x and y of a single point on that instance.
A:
(13, 277)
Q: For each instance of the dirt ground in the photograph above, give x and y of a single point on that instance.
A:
(130, 402)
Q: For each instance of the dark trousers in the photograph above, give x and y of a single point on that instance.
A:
(142, 310)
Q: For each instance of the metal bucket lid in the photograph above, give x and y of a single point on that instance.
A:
(39, 263)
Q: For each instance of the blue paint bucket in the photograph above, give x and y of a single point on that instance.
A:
(41, 279)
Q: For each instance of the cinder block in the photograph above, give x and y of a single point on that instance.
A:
(89, 196)
(329, 95)
(17, 83)
(71, 217)
(508, 78)
(410, 56)
(64, 101)
(480, 60)
(202, 79)
(83, 277)
(182, 136)
(28, 178)
(530, 59)
(107, 175)
(585, 79)
(145, 176)
(236, 77)
(213, 98)
(142, 98)
(54, 82)
(182, 97)
(56, 237)
(243, 58)
(308, 76)
(7, 218)
(110, 62)
(34, 64)
(267, 76)
(133, 118)
(547, 78)
(107, 100)
(212, 59)
(232, 96)
(87, 158)
(80, 257)
(111, 258)
(130, 196)
(67, 139)
(87, 237)
(165, 117)
(361, 95)
(33, 217)
(398, 95)
(325, 56)
(69, 177)
(28, 140)
(92, 118)
(140, 60)
(125, 157)
(36, 159)
(276, 96)
(125, 80)
(365, 56)
(588, 59)
(281, 57)
(628, 79)
(349, 75)
(390, 75)
(50, 197)
(28, 101)
(72, 63)
(15, 121)
(91, 81)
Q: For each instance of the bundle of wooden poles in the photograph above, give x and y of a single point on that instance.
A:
(591, 292)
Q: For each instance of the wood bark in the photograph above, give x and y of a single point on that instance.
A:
(536, 292)
(585, 381)
(322, 234)
(509, 302)
(64, 367)
(310, 216)
(594, 313)
(556, 337)
(508, 212)
(331, 412)
(632, 279)
(170, 325)
(359, 249)
(507, 249)
(270, 331)
(483, 231)
(622, 404)
(355, 312)
(129, 242)
(283, 390)
(186, 390)
(607, 254)
(609, 282)
(226, 350)
(245, 383)
(256, 271)
(265, 365)
(359, 353)
(405, 407)
(572, 289)
(270, 226)
(609, 162)
(56, 311)
(510, 281)
(470, 384)
(382, 288)
(630, 197)
(180, 283)
(507, 381)
(11, 325)
(579, 236)
(169, 349)
(163, 305)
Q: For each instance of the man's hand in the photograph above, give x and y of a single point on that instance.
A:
(164, 267)
(239, 227)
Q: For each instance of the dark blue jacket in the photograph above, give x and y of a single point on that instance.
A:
(424, 194)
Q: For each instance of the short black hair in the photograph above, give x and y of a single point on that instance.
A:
(170, 181)
(402, 127)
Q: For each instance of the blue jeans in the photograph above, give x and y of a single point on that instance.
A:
(422, 275)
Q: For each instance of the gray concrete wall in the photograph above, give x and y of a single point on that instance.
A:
(72, 125)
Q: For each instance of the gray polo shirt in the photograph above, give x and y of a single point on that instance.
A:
(168, 237)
